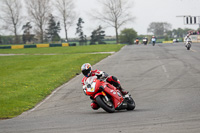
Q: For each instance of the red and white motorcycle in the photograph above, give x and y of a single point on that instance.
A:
(107, 96)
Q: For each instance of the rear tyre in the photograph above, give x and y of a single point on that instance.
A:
(106, 105)
(130, 104)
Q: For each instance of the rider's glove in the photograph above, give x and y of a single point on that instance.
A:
(84, 89)
(102, 75)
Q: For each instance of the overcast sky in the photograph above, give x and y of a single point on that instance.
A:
(144, 11)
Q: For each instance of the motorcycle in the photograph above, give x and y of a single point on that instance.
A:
(153, 41)
(188, 45)
(137, 41)
(107, 96)
(144, 41)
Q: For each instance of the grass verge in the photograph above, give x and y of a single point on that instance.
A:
(28, 79)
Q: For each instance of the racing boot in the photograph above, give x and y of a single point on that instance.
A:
(122, 90)
(115, 82)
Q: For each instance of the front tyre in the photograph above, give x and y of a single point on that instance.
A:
(106, 105)
(130, 104)
(188, 46)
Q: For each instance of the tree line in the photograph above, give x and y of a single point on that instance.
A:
(164, 29)
(45, 18)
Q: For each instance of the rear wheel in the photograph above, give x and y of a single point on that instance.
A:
(105, 104)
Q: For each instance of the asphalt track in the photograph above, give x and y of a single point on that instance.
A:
(164, 81)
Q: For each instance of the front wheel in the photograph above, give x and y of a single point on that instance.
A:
(188, 46)
(130, 104)
(105, 104)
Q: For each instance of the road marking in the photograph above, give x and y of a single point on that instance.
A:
(164, 68)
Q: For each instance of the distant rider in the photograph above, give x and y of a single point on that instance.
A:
(153, 39)
(187, 39)
(137, 41)
(87, 72)
(145, 40)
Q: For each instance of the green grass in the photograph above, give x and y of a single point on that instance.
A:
(27, 79)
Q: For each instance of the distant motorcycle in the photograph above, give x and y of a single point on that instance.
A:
(137, 41)
(188, 45)
(153, 41)
(107, 96)
(145, 41)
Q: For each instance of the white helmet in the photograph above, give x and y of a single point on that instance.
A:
(86, 69)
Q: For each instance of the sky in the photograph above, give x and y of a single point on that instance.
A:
(144, 11)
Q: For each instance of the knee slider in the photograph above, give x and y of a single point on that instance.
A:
(94, 106)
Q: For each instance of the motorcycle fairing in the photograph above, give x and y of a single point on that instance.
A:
(115, 94)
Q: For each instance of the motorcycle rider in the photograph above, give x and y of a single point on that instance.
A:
(153, 39)
(145, 40)
(137, 41)
(187, 39)
(87, 72)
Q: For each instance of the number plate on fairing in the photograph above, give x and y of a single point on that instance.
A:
(92, 87)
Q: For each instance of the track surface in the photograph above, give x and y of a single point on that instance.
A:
(164, 81)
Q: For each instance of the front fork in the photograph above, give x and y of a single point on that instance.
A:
(103, 94)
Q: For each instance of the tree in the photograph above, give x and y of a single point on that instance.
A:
(27, 33)
(39, 11)
(66, 13)
(115, 13)
(53, 29)
(0, 40)
(79, 31)
(128, 35)
(11, 16)
(178, 33)
(159, 28)
(97, 36)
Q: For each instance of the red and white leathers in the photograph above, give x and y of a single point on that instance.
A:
(110, 79)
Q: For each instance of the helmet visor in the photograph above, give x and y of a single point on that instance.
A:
(86, 72)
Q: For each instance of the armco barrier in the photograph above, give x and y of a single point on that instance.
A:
(5, 47)
(55, 45)
(37, 46)
(17, 46)
(65, 44)
(30, 46)
(73, 44)
(42, 45)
